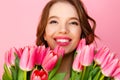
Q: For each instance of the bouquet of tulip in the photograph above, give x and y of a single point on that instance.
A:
(40, 63)
(92, 64)
(33, 63)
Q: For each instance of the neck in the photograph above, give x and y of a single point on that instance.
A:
(66, 65)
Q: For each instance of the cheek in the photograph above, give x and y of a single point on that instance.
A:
(76, 32)
(49, 32)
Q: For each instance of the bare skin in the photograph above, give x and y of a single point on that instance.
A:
(66, 65)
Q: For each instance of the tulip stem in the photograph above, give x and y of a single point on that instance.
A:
(36, 67)
(25, 75)
(102, 77)
(83, 74)
(94, 65)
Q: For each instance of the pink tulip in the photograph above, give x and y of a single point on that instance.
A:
(40, 54)
(39, 75)
(87, 55)
(76, 64)
(108, 59)
(110, 67)
(19, 52)
(49, 61)
(116, 73)
(101, 55)
(81, 44)
(59, 51)
(117, 77)
(27, 60)
(10, 56)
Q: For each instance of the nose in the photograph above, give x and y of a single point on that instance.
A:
(63, 29)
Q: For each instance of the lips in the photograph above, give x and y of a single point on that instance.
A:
(62, 41)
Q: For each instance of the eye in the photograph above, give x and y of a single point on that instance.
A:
(53, 22)
(74, 23)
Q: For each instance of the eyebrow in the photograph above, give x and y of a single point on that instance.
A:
(74, 18)
(52, 17)
(58, 17)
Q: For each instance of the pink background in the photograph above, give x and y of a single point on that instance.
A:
(19, 18)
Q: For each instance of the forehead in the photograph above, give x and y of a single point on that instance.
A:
(63, 9)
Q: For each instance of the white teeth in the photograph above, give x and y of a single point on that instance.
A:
(62, 40)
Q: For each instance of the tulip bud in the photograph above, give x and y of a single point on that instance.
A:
(81, 44)
(101, 55)
(10, 56)
(87, 55)
(40, 54)
(39, 75)
(59, 51)
(110, 67)
(116, 73)
(49, 61)
(76, 64)
(27, 60)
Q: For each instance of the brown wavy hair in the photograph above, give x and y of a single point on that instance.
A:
(87, 23)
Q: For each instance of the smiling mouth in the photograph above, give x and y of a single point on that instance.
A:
(63, 41)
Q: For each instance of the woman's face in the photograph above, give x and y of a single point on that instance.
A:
(63, 27)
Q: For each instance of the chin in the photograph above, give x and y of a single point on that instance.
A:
(68, 51)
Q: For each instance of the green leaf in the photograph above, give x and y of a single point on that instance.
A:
(75, 75)
(87, 70)
(52, 73)
(98, 75)
(14, 73)
(78, 76)
(7, 75)
(94, 71)
(17, 60)
(90, 78)
(59, 76)
(14, 69)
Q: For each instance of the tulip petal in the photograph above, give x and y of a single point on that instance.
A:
(48, 56)
(50, 64)
(101, 55)
(39, 75)
(24, 59)
(87, 55)
(81, 44)
(59, 51)
(109, 68)
(107, 59)
(41, 53)
(76, 63)
(32, 58)
(27, 60)
(10, 56)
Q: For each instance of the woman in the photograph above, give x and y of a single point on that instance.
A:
(64, 23)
